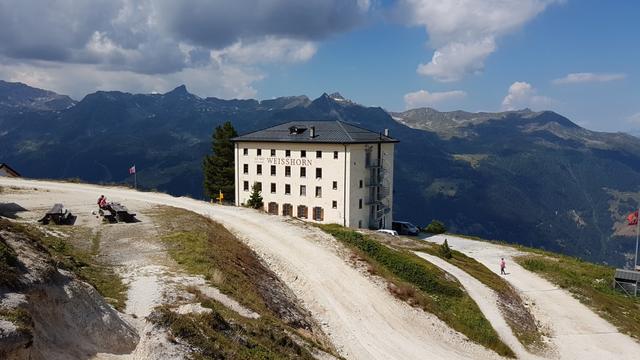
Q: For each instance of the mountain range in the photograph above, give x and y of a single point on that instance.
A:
(534, 178)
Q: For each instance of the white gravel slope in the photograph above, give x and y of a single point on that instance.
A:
(360, 316)
(576, 331)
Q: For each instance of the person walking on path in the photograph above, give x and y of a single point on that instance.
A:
(503, 265)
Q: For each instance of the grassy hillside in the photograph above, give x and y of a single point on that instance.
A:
(201, 246)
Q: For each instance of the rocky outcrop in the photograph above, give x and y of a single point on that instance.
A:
(48, 313)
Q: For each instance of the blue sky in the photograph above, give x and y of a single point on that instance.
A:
(577, 57)
(376, 65)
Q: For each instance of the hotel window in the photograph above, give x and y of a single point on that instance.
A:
(245, 168)
(359, 203)
(318, 173)
(273, 188)
(287, 189)
(273, 152)
(287, 171)
(302, 211)
(335, 185)
(287, 210)
(259, 169)
(360, 184)
(303, 172)
(318, 191)
(287, 153)
(259, 186)
(245, 151)
(318, 213)
(245, 186)
(273, 170)
(334, 204)
(318, 154)
(303, 153)
(335, 154)
(259, 152)
(303, 190)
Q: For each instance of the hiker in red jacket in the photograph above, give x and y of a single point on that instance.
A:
(503, 265)
(102, 202)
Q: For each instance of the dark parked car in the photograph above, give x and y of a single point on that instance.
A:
(405, 228)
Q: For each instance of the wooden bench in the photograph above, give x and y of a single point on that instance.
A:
(59, 215)
(115, 212)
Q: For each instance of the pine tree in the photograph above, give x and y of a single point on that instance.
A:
(255, 199)
(219, 167)
(445, 250)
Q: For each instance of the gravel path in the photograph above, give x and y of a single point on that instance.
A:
(360, 316)
(487, 301)
(576, 331)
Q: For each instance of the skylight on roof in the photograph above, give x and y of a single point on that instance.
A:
(296, 130)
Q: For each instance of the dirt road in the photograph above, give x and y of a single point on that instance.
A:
(576, 331)
(360, 316)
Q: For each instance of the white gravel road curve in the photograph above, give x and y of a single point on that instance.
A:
(359, 315)
(576, 331)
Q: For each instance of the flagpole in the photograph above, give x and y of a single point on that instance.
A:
(135, 180)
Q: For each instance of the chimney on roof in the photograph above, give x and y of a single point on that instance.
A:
(386, 132)
(312, 132)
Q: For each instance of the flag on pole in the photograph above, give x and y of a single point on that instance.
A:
(132, 170)
(632, 219)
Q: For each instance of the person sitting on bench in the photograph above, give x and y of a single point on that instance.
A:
(102, 202)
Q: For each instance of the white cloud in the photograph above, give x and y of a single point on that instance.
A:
(422, 98)
(220, 80)
(268, 50)
(522, 95)
(464, 32)
(142, 45)
(587, 77)
(634, 119)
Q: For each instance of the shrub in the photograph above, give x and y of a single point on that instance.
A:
(445, 251)
(255, 200)
(436, 227)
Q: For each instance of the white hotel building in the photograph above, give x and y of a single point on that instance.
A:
(321, 171)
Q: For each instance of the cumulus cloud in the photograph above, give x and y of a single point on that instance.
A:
(165, 38)
(587, 77)
(464, 32)
(422, 98)
(522, 95)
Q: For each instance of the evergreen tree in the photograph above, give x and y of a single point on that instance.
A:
(255, 199)
(219, 167)
(445, 250)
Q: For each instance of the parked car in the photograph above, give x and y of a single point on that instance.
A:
(387, 232)
(405, 228)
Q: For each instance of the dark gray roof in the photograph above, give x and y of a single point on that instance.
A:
(325, 132)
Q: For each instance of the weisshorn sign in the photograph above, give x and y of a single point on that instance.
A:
(285, 161)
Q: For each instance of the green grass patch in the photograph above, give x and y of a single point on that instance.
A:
(204, 247)
(8, 263)
(591, 284)
(516, 314)
(423, 284)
